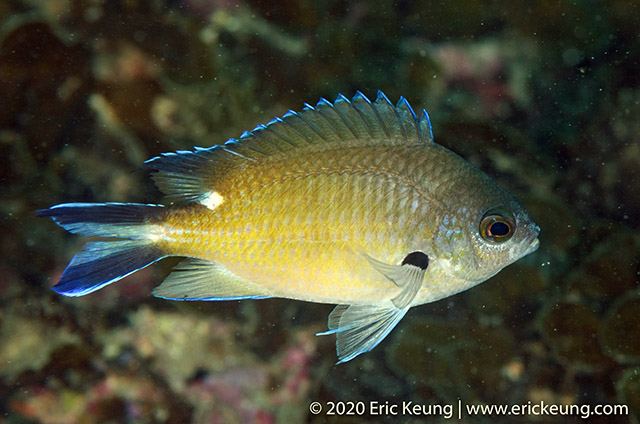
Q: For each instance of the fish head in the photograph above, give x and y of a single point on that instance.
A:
(503, 234)
(487, 231)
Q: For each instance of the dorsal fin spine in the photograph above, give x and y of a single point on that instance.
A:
(380, 97)
(322, 107)
(341, 116)
(425, 119)
(261, 135)
(350, 117)
(398, 117)
(274, 129)
(266, 131)
(291, 115)
(357, 98)
(325, 109)
(240, 142)
(312, 126)
(228, 144)
(405, 104)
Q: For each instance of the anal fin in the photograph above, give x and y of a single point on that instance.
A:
(360, 328)
(198, 279)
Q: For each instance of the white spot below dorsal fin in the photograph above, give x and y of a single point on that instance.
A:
(211, 200)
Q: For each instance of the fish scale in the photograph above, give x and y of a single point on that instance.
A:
(350, 202)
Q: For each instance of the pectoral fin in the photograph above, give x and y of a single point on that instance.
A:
(359, 328)
(409, 276)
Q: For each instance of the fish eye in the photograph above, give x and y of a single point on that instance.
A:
(496, 226)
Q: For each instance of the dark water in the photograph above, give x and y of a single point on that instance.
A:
(544, 96)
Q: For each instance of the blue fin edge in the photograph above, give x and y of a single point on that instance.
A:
(380, 97)
(214, 299)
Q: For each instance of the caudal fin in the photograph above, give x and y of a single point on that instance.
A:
(100, 263)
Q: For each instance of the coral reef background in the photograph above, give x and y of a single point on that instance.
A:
(545, 97)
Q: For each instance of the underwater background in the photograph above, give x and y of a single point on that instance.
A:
(544, 96)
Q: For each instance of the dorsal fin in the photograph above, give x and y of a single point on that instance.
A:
(189, 176)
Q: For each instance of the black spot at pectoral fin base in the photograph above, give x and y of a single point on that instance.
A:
(419, 259)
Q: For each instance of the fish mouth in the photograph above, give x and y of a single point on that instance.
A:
(532, 247)
(534, 242)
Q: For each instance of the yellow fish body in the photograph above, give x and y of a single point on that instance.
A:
(348, 202)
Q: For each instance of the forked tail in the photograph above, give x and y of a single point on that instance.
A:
(99, 263)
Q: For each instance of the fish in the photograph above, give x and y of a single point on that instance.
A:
(350, 202)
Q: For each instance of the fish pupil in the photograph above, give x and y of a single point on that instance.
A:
(499, 229)
(419, 259)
